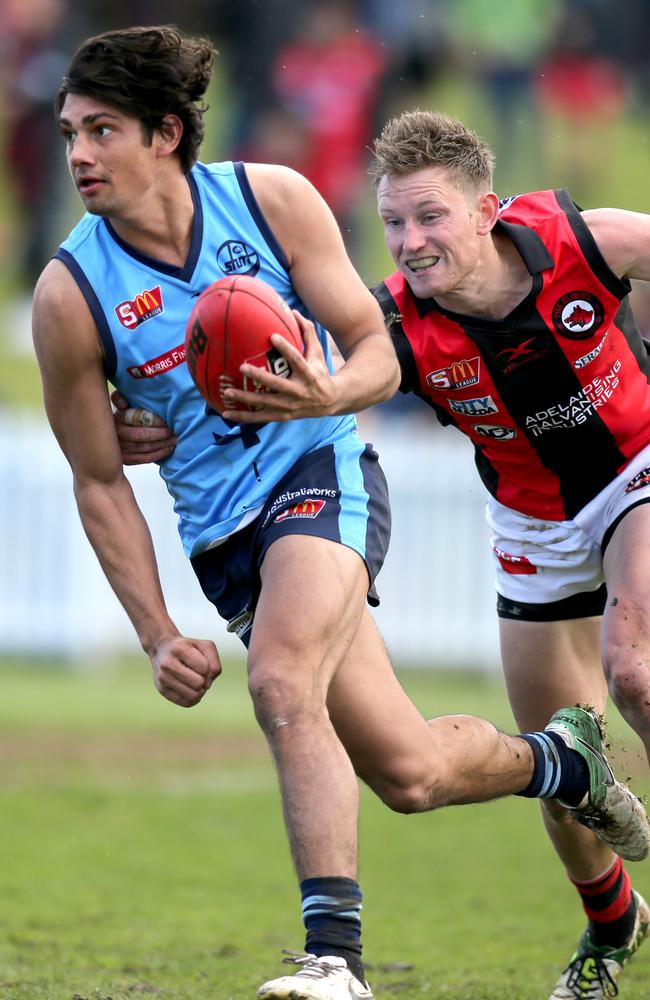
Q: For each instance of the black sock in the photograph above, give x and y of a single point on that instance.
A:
(558, 771)
(331, 915)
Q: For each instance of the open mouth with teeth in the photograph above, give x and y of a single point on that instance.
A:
(422, 264)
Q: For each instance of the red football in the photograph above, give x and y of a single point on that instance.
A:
(232, 322)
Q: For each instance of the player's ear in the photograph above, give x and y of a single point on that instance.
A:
(487, 206)
(169, 133)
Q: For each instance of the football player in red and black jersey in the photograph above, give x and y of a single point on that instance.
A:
(511, 320)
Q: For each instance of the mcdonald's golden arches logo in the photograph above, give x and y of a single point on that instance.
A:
(145, 305)
(458, 375)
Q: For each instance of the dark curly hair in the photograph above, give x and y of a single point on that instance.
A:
(146, 72)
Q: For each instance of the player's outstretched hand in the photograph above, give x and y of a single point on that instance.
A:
(184, 669)
(309, 392)
(143, 436)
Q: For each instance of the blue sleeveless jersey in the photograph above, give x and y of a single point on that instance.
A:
(219, 474)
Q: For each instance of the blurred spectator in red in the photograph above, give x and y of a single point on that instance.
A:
(414, 38)
(623, 33)
(584, 91)
(576, 79)
(33, 60)
(276, 134)
(248, 34)
(500, 45)
(619, 33)
(330, 78)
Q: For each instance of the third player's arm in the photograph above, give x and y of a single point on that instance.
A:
(79, 411)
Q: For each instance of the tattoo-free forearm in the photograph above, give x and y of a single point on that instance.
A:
(370, 375)
(122, 542)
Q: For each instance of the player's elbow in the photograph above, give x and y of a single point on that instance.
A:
(395, 381)
(392, 375)
(387, 380)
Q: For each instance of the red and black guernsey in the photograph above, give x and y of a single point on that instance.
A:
(556, 396)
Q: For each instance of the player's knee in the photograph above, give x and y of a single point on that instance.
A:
(628, 682)
(279, 700)
(626, 661)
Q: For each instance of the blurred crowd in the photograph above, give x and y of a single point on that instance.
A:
(308, 83)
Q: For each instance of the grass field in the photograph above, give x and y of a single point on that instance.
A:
(143, 854)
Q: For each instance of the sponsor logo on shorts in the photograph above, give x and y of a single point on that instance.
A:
(309, 507)
(241, 623)
(586, 359)
(639, 481)
(238, 257)
(577, 315)
(456, 376)
(495, 432)
(577, 409)
(158, 366)
(478, 407)
(146, 304)
(297, 496)
(515, 565)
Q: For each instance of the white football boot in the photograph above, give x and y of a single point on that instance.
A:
(324, 978)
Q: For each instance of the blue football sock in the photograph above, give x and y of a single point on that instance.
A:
(331, 913)
(558, 771)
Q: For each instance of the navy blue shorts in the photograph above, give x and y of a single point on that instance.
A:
(337, 492)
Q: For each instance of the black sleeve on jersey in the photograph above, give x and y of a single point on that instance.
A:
(620, 287)
(638, 345)
(392, 318)
(405, 354)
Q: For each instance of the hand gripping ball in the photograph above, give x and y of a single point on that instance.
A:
(232, 322)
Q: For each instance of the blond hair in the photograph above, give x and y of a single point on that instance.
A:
(417, 139)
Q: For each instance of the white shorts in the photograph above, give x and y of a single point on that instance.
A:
(552, 570)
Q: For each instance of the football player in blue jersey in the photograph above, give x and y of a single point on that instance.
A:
(260, 513)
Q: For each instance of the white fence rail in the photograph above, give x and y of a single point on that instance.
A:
(436, 587)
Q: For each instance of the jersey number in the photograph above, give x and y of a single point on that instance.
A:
(247, 432)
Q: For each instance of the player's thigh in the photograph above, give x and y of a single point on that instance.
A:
(551, 664)
(387, 738)
(311, 601)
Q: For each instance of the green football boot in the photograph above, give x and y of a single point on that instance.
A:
(609, 808)
(593, 972)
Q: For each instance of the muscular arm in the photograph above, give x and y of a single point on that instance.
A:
(326, 281)
(79, 411)
(623, 238)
